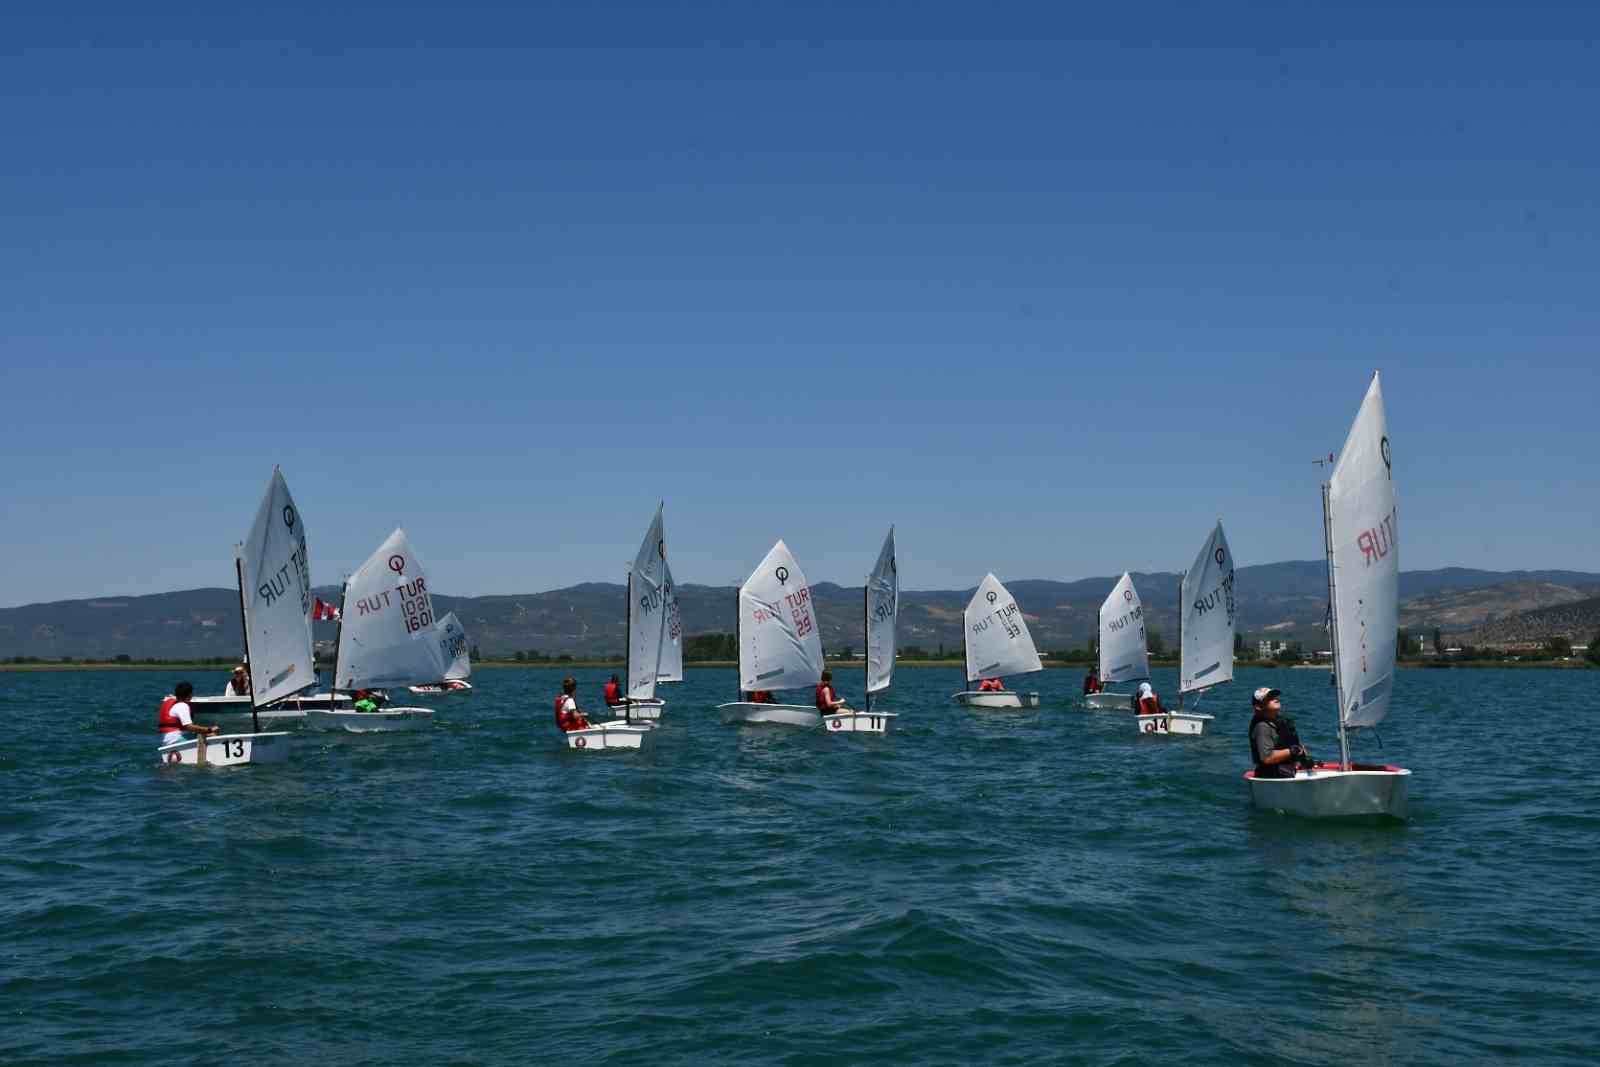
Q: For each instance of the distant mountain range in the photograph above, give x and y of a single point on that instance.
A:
(1284, 601)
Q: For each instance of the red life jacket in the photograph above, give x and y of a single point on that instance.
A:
(1150, 705)
(569, 720)
(613, 694)
(165, 720)
(824, 696)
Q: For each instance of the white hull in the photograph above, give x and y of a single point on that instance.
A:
(860, 722)
(605, 735)
(1108, 701)
(639, 710)
(1326, 792)
(1002, 699)
(1174, 722)
(228, 750)
(773, 714)
(441, 690)
(276, 718)
(387, 721)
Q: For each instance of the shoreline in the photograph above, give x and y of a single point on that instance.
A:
(914, 664)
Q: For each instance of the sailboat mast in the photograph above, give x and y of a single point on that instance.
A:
(738, 645)
(255, 719)
(1181, 575)
(1333, 628)
(338, 640)
(866, 635)
(627, 645)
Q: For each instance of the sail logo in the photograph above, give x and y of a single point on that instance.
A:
(1126, 619)
(1377, 542)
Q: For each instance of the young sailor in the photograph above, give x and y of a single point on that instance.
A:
(239, 684)
(175, 719)
(614, 697)
(1145, 701)
(760, 696)
(1091, 682)
(568, 717)
(1274, 754)
(991, 685)
(828, 700)
(364, 701)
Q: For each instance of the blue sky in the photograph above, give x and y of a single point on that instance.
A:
(1049, 287)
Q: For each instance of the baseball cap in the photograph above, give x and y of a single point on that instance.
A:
(1264, 694)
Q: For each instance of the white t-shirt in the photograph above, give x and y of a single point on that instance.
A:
(232, 692)
(179, 711)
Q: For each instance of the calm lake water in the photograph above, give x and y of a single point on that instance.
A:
(980, 887)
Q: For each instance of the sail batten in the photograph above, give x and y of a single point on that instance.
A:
(883, 611)
(275, 597)
(779, 644)
(1209, 616)
(647, 610)
(1364, 539)
(997, 638)
(1124, 655)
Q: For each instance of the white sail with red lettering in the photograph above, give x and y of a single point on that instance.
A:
(275, 593)
(779, 645)
(1364, 531)
(387, 635)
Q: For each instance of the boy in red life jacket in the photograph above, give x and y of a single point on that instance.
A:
(568, 717)
(991, 685)
(614, 697)
(760, 696)
(828, 701)
(1091, 682)
(1145, 702)
(175, 719)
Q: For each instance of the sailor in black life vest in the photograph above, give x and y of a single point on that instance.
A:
(1274, 745)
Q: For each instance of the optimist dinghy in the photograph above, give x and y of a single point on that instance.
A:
(274, 574)
(1205, 635)
(779, 646)
(996, 642)
(457, 652)
(881, 605)
(1361, 535)
(647, 624)
(1123, 654)
(387, 639)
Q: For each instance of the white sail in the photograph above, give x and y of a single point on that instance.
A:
(386, 628)
(1365, 533)
(454, 652)
(998, 642)
(275, 590)
(670, 668)
(779, 646)
(646, 611)
(1208, 617)
(1123, 655)
(883, 611)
